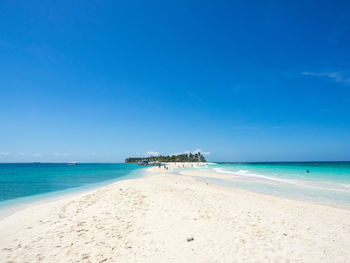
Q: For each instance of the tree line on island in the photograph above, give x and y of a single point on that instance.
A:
(185, 157)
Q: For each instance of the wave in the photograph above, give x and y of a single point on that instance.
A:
(247, 173)
(346, 185)
(308, 184)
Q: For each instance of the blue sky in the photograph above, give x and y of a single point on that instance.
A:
(244, 80)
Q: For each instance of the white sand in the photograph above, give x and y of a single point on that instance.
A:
(150, 219)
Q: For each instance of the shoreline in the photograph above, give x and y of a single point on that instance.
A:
(82, 190)
(29, 202)
(150, 219)
(207, 176)
(56, 196)
(9, 207)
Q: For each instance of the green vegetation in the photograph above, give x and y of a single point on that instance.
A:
(186, 157)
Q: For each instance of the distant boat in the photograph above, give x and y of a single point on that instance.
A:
(36, 162)
(73, 163)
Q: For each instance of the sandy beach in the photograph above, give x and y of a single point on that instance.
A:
(164, 217)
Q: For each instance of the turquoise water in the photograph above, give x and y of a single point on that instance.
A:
(326, 182)
(26, 182)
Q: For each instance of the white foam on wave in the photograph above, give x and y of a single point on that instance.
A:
(346, 185)
(249, 174)
(246, 173)
(308, 184)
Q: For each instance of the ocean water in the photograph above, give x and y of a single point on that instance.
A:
(22, 183)
(326, 183)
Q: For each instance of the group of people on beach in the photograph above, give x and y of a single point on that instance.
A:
(165, 167)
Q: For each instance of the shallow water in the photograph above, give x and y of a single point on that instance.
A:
(28, 182)
(326, 183)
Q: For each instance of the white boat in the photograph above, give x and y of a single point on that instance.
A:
(73, 163)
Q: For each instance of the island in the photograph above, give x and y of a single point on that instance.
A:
(185, 157)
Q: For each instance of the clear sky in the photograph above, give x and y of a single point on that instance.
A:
(244, 80)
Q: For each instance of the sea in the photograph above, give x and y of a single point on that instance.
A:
(26, 183)
(22, 184)
(321, 182)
